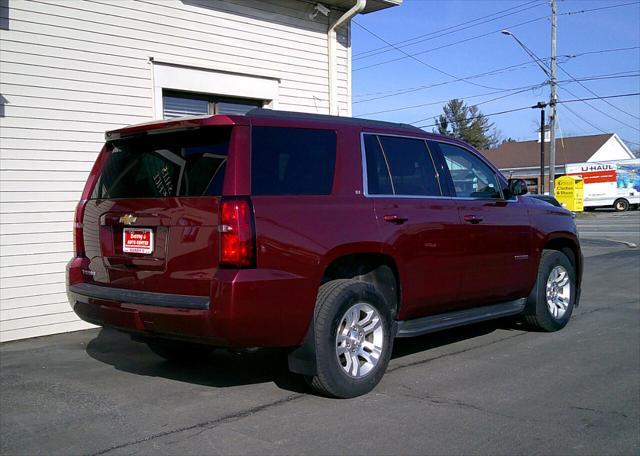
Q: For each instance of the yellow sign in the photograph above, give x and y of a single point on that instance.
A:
(570, 192)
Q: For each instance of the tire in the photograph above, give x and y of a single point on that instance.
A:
(621, 205)
(589, 209)
(543, 312)
(179, 352)
(337, 304)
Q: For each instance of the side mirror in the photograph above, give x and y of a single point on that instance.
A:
(518, 187)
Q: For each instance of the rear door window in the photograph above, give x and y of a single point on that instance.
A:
(292, 161)
(190, 163)
(400, 166)
(378, 175)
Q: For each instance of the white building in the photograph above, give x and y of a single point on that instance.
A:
(522, 158)
(71, 69)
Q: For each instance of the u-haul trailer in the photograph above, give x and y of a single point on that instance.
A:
(609, 184)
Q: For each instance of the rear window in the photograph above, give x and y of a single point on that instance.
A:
(292, 161)
(189, 163)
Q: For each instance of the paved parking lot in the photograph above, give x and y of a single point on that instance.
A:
(487, 389)
(609, 225)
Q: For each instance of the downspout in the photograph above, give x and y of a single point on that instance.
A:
(333, 58)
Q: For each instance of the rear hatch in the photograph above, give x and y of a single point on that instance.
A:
(151, 222)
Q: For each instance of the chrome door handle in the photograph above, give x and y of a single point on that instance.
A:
(395, 219)
(474, 219)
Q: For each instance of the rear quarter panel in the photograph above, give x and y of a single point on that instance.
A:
(297, 237)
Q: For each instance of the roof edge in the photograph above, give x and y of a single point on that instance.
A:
(371, 7)
(272, 113)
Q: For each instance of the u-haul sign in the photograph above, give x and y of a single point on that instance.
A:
(593, 173)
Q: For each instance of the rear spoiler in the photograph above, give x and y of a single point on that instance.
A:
(179, 124)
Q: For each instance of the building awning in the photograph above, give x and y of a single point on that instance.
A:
(372, 5)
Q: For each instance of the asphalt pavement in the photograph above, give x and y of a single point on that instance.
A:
(609, 225)
(488, 389)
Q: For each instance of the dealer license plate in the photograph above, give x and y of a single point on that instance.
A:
(137, 240)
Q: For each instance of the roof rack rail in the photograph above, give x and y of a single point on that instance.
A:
(261, 112)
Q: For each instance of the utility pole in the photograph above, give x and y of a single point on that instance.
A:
(541, 189)
(541, 105)
(552, 102)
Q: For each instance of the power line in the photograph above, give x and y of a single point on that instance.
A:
(619, 75)
(595, 94)
(405, 90)
(486, 115)
(422, 61)
(536, 58)
(480, 36)
(583, 119)
(407, 55)
(478, 104)
(575, 124)
(449, 30)
(517, 90)
(585, 100)
(592, 125)
(602, 51)
(529, 107)
(570, 13)
(416, 39)
(621, 95)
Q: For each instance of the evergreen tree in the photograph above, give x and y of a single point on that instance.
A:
(468, 124)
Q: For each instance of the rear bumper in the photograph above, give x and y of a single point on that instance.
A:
(245, 308)
(86, 291)
(152, 314)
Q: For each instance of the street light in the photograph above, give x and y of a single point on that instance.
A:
(550, 73)
(535, 58)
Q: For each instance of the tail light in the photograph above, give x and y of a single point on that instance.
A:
(78, 238)
(237, 233)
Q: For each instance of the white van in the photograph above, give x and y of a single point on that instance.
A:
(609, 184)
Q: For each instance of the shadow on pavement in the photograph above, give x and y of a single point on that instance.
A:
(224, 368)
(409, 346)
(221, 369)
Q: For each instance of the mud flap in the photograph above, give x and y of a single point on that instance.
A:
(302, 359)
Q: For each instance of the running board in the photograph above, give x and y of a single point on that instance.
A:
(432, 323)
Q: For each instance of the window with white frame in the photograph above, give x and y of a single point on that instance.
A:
(178, 104)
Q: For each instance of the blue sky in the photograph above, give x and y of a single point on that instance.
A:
(581, 38)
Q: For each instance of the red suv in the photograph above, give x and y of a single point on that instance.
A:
(331, 236)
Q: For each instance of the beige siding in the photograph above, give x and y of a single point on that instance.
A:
(69, 70)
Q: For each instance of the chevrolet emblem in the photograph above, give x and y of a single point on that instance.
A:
(128, 219)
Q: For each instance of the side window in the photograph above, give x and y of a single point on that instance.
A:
(292, 161)
(410, 165)
(378, 177)
(472, 178)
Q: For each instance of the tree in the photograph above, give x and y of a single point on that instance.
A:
(468, 124)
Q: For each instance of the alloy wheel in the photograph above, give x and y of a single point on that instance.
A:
(360, 340)
(558, 292)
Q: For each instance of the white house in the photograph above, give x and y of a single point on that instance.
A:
(71, 69)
